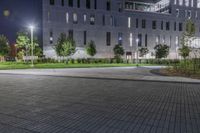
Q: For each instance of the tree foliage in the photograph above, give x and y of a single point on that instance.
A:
(91, 48)
(65, 46)
(161, 51)
(143, 51)
(22, 40)
(4, 46)
(118, 51)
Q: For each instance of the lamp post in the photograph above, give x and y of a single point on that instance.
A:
(137, 41)
(32, 28)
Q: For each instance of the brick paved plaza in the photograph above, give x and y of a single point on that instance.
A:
(50, 104)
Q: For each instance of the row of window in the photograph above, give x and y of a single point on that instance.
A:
(113, 22)
(187, 3)
(70, 3)
(159, 39)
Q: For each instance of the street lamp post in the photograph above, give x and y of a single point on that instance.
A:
(32, 28)
(137, 41)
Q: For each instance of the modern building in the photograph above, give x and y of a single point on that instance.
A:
(131, 23)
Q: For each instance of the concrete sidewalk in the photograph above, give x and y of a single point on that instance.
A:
(125, 73)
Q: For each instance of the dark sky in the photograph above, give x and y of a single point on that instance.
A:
(22, 14)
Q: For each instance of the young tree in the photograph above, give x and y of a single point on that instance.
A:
(118, 51)
(184, 51)
(161, 51)
(4, 46)
(91, 48)
(143, 51)
(65, 46)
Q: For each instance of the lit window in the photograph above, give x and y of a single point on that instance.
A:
(186, 2)
(75, 18)
(67, 18)
(198, 3)
(85, 18)
(92, 19)
(189, 14)
(131, 39)
(180, 2)
(175, 2)
(192, 3)
(177, 40)
(129, 22)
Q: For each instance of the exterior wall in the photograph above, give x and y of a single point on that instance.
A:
(54, 20)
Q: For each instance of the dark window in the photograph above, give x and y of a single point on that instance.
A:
(51, 37)
(108, 38)
(95, 4)
(108, 5)
(85, 37)
(71, 34)
(103, 20)
(162, 25)
(78, 3)
(52, 2)
(92, 20)
(120, 7)
(180, 26)
(143, 23)
(174, 26)
(167, 25)
(62, 2)
(120, 38)
(146, 40)
(70, 3)
(88, 4)
(139, 40)
(154, 24)
(137, 23)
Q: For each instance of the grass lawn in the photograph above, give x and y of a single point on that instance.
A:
(19, 65)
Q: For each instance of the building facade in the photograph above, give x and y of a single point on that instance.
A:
(131, 23)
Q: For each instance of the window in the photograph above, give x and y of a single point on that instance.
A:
(154, 24)
(177, 13)
(129, 22)
(88, 4)
(180, 2)
(196, 15)
(175, 2)
(67, 17)
(180, 26)
(143, 23)
(95, 4)
(198, 3)
(75, 18)
(62, 2)
(111, 21)
(48, 16)
(92, 20)
(52, 2)
(85, 37)
(146, 40)
(85, 18)
(162, 25)
(120, 35)
(131, 39)
(103, 20)
(78, 3)
(137, 23)
(186, 2)
(177, 40)
(192, 3)
(120, 7)
(189, 14)
(139, 40)
(108, 38)
(174, 26)
(71, 34)
(167, 25)
(108, 5)
(70, 3)
(51, 37)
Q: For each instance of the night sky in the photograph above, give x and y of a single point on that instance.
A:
(22, 14)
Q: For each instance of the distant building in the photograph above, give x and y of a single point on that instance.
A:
(111, 22)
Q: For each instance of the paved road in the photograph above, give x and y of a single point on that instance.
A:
(49, 104)
(131, 73)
